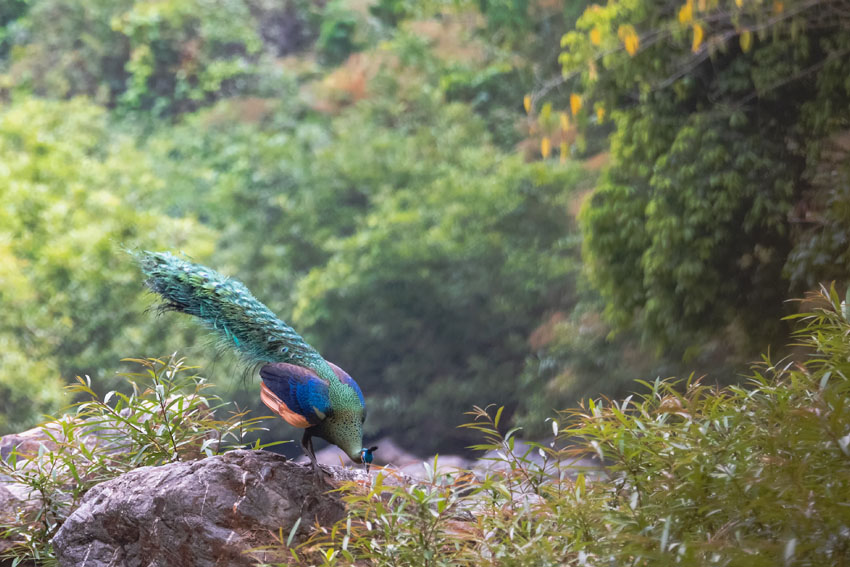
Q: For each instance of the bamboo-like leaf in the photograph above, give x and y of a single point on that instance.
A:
(498, 416)
(292, 532)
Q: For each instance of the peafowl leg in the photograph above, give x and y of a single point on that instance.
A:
(307, 445)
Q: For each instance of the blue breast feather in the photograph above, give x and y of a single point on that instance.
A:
(299, 388)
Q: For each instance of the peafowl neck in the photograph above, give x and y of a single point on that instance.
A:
(323, 370)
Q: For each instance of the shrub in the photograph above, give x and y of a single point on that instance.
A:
(722, 191)
(694, 475)
(169, 416)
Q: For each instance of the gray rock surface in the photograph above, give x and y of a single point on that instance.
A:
(26, 444)
(204, 513)
(388, 453)
(18, 503)
(10, 503)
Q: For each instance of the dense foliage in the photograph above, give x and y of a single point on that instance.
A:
(73, 194)
(373, 199)
(721, 196)
(158, 57)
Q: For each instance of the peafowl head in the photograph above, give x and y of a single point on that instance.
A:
(367, 457)
(345, 430)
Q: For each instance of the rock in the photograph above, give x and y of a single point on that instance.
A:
(27, 443)
(18, 505)
(492, 461)
(10, 504)
(446, 464)
(204, 513)
(390, 453)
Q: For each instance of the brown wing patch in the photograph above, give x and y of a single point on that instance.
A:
(277, 406)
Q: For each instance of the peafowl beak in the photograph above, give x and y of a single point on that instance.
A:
(366, 456)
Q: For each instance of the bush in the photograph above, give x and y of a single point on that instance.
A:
(339, 33)
(694, 475)
(169, 416)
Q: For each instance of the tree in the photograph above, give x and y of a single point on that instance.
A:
(159, 57)
(720, 109)
(430, 302)
(74, 198)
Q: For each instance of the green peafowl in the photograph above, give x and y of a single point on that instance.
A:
(299, 385)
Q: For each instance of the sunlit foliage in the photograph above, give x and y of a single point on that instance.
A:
(73, 195)
(158, 57)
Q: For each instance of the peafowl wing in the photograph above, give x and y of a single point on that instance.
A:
(295, 393)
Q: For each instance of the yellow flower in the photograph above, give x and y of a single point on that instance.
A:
(545, 147)
(746, 40)
(698, 35)
(595, 36)
(575, 103)
(686, 12)
(629, 37)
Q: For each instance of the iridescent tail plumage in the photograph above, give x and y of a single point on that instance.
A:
(227, 307)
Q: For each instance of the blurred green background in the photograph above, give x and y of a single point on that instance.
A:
(508, 201)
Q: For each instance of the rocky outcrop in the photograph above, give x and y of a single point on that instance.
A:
(205, 513)
(213, 512)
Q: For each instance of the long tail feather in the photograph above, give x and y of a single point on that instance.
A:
(227, 307)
